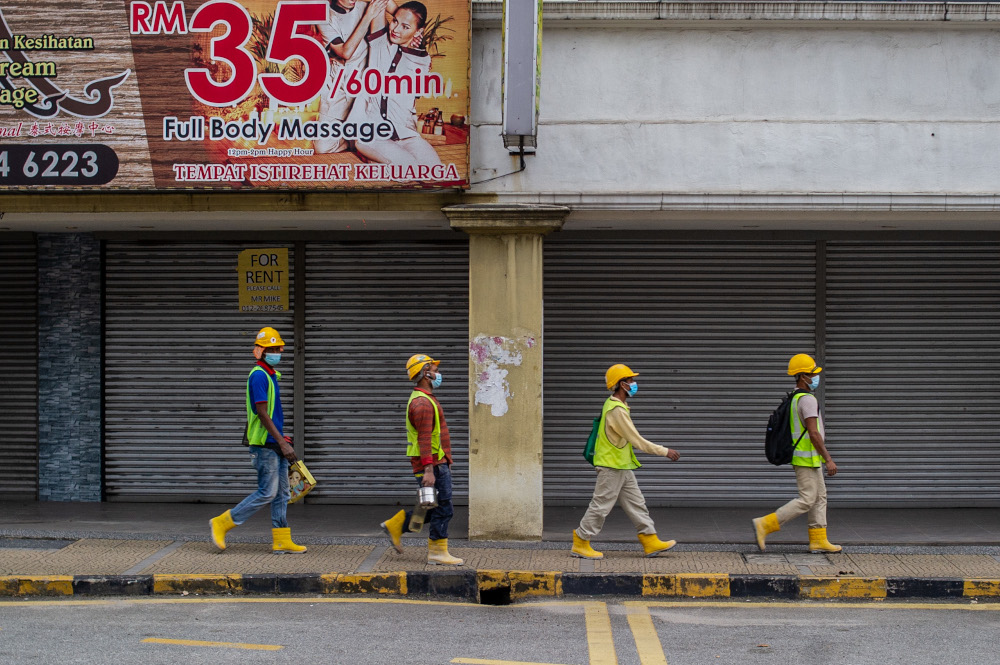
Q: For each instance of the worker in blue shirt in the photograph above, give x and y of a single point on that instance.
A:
(271, 451)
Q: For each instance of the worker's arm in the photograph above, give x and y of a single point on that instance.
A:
(620, 423)
(286, 450)
(812, 426)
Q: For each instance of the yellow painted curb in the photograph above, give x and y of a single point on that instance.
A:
(841, 587)
(36, 585)
(9, 585)
(659, 585)
(703, 585)
(330, 582)
(520, 582)
(394, 583)
(524, 583)
(982, 588)
(691, 585)
(197, 583)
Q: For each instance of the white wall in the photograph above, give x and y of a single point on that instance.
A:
(752, 107)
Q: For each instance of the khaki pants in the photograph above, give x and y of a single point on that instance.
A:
(811, 499)
(615, 486)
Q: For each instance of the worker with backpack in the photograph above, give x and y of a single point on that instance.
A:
(804, 438)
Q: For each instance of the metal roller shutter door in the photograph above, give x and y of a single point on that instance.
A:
(913, 352)
(710, 327)
(370, 306)
(19, 383)
(177, 353)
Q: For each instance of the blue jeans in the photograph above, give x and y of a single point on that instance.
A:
(438, 517)
(272, 487)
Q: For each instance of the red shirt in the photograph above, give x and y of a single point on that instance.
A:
(421, 416)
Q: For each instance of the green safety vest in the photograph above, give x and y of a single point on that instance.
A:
(805, 454)
(413, 449)
(256, 432)
(608, 454)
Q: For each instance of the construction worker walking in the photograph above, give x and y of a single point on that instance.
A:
(270, 451)
(429, 448)
(615, 460)
(808, 459)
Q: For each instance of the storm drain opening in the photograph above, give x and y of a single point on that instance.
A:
(498, 595)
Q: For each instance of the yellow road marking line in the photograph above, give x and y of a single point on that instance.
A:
(647, 642)
(200, 643)
(600, 641)
(486, 661)
(879, 604)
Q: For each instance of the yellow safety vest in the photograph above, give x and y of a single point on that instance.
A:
(413, 449)
(805, 454)
(256, 432)
(608, 454)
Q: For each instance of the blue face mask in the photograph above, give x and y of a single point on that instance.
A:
(814, 383)
(632, 389)
(436, 381)
(272, 358)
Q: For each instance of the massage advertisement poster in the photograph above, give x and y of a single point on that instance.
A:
(234, 94)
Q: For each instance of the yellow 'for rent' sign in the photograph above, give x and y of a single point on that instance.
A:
(263, 275)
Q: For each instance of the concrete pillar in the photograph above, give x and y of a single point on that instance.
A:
(505, 365)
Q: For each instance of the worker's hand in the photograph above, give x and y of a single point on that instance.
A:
(429, 479)
(288, 452)
(673, 455)
(831, 468)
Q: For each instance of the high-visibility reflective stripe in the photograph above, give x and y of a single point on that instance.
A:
(805, 452)
(256, 432)
(606, 454)
(413, 445)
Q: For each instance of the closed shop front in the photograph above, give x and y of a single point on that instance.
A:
(178, 351)
(19, 383)
(913, 354)
(369, 307)
(908, 332)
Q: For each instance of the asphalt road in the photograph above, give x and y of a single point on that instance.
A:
(358, 631)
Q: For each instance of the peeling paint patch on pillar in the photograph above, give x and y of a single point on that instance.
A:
(489, 355)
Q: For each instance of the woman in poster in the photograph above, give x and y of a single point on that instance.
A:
(344, 35)
(391, 50)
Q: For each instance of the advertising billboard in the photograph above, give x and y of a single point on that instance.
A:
(234, 94)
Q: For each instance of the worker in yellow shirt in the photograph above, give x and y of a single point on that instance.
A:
(615, 460)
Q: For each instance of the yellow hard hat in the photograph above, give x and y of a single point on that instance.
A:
(802, 363)
(268, 337)
(616, 373)
(417, 362)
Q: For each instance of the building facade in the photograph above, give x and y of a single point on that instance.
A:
(716, 187)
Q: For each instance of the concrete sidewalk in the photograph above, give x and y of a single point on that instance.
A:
(117, 548)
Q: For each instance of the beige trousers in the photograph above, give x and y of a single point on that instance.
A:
(615, 486)
(811, 499)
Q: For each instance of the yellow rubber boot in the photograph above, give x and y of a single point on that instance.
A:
(765, 525)
(582, 548)
(437, 554)
(283, 542)
(653, 545)
(393, 528)
(220, 526)
(819, 543)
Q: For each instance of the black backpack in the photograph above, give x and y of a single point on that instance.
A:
(778, 445)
